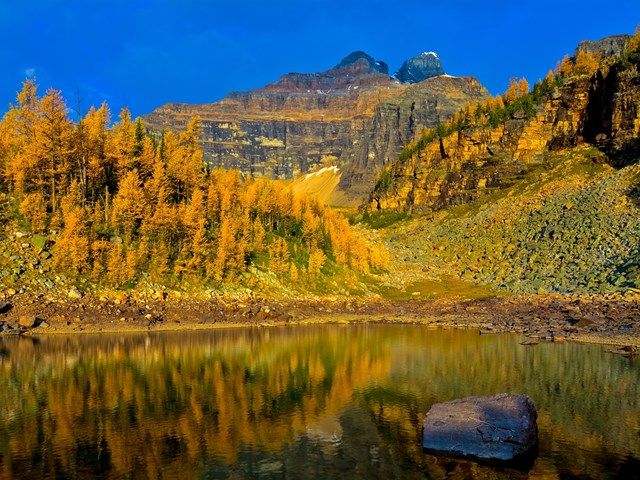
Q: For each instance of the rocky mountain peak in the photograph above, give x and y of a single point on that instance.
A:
(357, 70)
(420, 67)
(607, 47)
(360, 57)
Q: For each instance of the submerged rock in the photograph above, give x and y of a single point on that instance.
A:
(626, 351)
(502, 427)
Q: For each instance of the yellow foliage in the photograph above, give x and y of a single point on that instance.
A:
(293, 272)
(317, 259)
(549, 77)
(128, 208)
(517, 88)
(633, 45)
(72, 246)
(34, 208)
(586, 63)
(226, 240)
(279, 255)
(565, 66)
(124, 203)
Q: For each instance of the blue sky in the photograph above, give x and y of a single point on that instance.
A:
(146, 53)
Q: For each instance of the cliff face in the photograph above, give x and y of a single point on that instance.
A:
(602, 110)
(612, 116)
(398, 120)
(353, 116)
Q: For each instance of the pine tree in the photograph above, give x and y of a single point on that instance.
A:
(293, 272)
(586, 62)
(53, 148)
(224, 252)
(317, 259)
(18, 137)
(523, 87)
(128, 208)
(124, 143)
(72, 246)
(565, 67)
(34, 209)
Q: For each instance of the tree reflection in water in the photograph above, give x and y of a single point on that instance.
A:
(305, 402)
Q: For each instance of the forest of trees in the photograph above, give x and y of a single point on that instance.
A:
(117, 201)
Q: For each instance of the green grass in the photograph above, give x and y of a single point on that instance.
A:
(380, 220)
(444, 287)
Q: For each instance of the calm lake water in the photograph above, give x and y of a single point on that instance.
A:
(305, 402)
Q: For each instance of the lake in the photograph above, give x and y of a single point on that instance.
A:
(313, 402)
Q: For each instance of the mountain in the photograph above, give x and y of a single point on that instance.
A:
(359, 56)
(353, 116)
(419, 68)
(536, 191)
(599, 108)
(608, 46)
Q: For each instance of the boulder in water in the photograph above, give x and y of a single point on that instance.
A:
(502, 427)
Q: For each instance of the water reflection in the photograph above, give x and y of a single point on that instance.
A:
(314, 402)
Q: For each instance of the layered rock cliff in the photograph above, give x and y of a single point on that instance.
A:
(398, 120)
(353, 116)
(602, 110)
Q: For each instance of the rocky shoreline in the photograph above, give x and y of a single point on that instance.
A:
(610, 320)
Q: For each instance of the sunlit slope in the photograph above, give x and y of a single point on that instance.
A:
(571, 225)
(323, 186)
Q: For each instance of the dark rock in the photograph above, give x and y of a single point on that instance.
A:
(489, 332)
(419, 68)
(362, 57)
(502, 427)
(8, 329)
(584, 323)
(5, 307)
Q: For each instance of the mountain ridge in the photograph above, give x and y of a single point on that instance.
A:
(340, 117)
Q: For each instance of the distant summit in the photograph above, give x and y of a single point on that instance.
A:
(363, 57)
(356, 70)
(419, 68)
